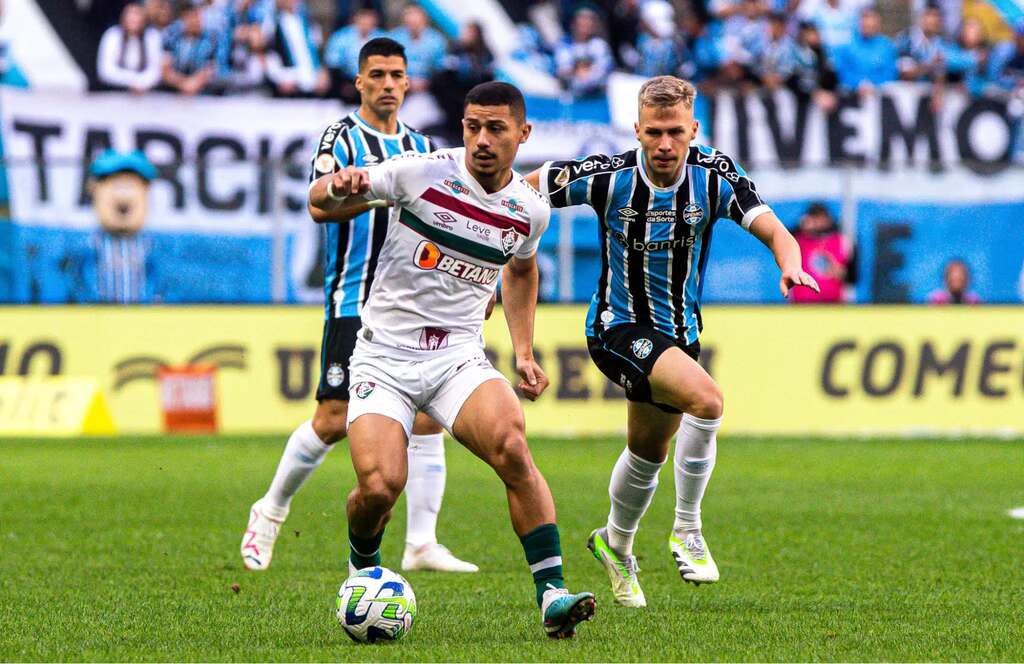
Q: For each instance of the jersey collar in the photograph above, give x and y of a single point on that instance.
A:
(365, 126)
(640, 166)
(476, 187)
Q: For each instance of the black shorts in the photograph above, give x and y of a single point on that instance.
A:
(626, 354)
(335, 353)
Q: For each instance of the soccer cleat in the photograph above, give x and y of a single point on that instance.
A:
(258, 541)
(693, 559)
(435, 557)
(622, 572)
(561, 611)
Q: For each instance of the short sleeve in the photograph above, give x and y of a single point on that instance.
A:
(332, 151)
(538, 224)
(565, 183)
(738, 196)
(399, 179)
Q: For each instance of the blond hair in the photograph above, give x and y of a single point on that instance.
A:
(663, 91)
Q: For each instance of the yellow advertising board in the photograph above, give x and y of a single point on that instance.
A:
(795, 370)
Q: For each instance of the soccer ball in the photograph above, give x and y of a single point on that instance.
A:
(376, 604)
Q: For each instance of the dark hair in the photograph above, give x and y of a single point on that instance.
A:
(381, 46)
(497, 93)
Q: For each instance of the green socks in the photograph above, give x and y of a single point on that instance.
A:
(365, 551)
(544, 555)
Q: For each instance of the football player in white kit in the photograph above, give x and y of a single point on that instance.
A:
(460, 216)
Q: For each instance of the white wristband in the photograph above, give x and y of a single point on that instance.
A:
(332, 194)
(377, 203)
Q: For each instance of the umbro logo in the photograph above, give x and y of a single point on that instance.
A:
(627, 212)
(370, 159)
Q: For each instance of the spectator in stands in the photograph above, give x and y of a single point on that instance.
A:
(584, 60)
(815, 76)
(968, 61)
(743, 29)
(922, 48)
(293, 64)
(425, 47)
(870, 59)
(159, 15)
(530, 51)
(341, 55)
(130, 54)
(244, 66)
(624, 18)
(827, 255)
(1008, 64)
(469, 62)
(776, 57)
(956, 281)
(835, 19)
(659, 51)
(190, 57)
(705, 51)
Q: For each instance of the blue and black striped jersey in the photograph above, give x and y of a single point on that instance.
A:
(351, 249)
(655, 241)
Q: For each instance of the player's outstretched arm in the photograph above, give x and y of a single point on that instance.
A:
(769, 230)
(519, 284)
(340, 196)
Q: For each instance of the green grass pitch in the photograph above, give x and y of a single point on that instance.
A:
(127, 549)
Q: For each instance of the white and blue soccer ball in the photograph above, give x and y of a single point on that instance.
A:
(376, 604)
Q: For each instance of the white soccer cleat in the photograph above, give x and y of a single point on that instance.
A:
(435, 557)
(693, 558)
(258, 541)
(622, 571)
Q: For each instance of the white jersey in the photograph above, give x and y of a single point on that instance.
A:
(446, 243)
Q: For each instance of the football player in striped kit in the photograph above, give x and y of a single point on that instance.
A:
(656, 207)
(367, 136)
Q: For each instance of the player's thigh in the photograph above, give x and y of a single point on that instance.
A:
(678, 381)
(490, 424)
(377, 445)
(425, 425)
(649, 430)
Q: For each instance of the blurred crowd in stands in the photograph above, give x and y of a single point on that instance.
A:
(272, 47)
(814, 47)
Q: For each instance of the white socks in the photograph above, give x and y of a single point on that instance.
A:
(302, 455)
(696, 447)
(631, 489)
(425, 488)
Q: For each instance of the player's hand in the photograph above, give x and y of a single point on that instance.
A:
(534, 380)
(792, 278)
(351, 181)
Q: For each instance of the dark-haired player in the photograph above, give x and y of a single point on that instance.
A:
(369, 135)
(656, 206)
(460, 217)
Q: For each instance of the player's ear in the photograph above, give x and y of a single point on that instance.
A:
(636, 130)
(359, 83)
(527, 128)
(696, 128)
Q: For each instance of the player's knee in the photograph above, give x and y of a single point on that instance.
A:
(511, 458)
(379, 493)
(708, 403)
(330, 427)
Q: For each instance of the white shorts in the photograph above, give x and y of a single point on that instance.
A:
(395, 386)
